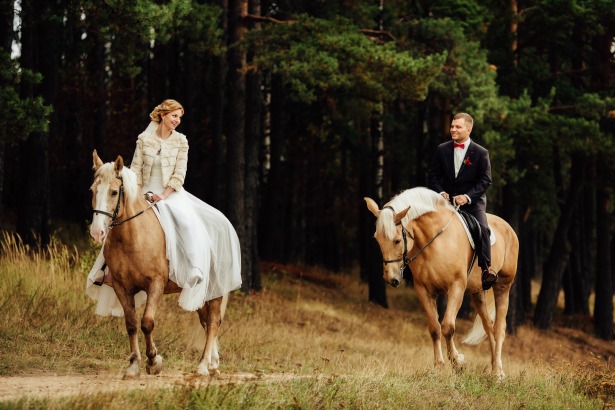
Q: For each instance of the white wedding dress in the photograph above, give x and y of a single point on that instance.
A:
(202, 249)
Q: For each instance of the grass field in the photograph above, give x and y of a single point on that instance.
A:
(309, 340)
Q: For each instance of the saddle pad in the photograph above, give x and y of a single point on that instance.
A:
(465, 226)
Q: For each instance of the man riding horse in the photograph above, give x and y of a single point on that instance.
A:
(461, 172)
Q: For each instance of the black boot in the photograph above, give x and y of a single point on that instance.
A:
(489, 278)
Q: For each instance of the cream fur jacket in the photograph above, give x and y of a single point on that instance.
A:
(173, 157)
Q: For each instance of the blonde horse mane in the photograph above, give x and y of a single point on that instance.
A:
(421, 200)
(106, 173)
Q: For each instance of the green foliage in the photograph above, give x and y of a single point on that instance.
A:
(19, 116)
(470, 15)
(192, 22)
(317, 58)
(131, 28)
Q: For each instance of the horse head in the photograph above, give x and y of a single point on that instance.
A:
(107, 195)
(393, 239)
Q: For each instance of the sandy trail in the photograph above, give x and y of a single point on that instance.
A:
(53, 386)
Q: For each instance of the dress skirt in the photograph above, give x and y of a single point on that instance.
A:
(202, 249)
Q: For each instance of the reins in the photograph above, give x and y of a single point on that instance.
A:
(113, 216)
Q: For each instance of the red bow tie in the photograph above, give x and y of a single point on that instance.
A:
(456, 145)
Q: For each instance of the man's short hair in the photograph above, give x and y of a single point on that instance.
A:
(467, 117)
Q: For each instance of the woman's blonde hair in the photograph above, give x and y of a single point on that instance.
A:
(164, 108)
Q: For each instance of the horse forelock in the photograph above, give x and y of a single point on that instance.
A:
(421, 200)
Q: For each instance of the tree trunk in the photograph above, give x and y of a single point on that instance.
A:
(216, 195)
(377, 286)
(6, 41)
(254, 102)
(603, 307)
(236, 165)
(560, 249)
(274, 211)
(511, 214)
(39, 43)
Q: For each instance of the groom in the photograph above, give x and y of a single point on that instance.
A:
(461, 172)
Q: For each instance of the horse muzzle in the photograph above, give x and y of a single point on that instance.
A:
(394, 283)
(393, 276)
(98, 230)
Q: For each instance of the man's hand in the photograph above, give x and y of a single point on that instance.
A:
(445, 196)
(460, 200)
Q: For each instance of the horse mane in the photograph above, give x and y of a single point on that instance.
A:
(421, 200)
(106, 173)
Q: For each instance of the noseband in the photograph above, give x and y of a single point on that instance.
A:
(113, 215)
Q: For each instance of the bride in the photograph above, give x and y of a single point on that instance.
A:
(201, 244)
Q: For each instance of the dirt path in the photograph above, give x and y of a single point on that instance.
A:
(41, 386)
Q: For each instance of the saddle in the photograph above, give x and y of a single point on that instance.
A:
(474, 232)
(471, 223)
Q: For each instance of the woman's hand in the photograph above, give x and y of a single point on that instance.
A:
(159, 197)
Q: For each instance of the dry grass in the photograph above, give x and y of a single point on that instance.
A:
(317, 328)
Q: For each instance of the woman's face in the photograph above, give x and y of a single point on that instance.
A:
(171, 120)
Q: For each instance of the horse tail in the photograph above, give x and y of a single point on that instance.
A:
(477, 334)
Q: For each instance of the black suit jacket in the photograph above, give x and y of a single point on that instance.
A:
(473, 179)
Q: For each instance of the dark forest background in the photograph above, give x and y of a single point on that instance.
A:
(297, 109)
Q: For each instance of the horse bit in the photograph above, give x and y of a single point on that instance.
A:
(404, 234)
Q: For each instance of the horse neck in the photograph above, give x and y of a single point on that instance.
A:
(429, 224)
(128, 209)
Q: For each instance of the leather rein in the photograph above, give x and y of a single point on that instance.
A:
(113, 215)
(404, 234)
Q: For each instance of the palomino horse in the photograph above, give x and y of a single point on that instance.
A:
(135, 253)
(420, 228)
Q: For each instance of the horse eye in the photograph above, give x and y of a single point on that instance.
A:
(113, 193)
(397, 241)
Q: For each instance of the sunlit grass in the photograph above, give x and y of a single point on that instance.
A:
(310, 338)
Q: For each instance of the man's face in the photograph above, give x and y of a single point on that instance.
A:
(460, 132)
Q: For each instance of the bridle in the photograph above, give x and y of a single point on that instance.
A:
(404, 234)
(113, 215)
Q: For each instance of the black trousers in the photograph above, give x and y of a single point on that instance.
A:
(484, 254)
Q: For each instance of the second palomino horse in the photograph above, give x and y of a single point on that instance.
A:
(420, 228)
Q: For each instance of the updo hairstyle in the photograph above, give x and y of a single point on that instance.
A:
(164, 108)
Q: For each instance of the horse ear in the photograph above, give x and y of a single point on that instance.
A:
(372, 206)
(119, 164)
(97, 161)
(400, 215)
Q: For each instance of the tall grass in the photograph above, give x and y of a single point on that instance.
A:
(309, 339)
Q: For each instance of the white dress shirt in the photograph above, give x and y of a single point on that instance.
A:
(459, 154)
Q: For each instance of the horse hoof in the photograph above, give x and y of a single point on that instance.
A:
(460, 361)
(205, 370)
(131, 372)
(155, 368)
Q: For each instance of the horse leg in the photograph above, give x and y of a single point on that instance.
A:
(154, 360)
(478, 301)
(428, 302)
(130, 315)
(454, 300)
(210, 316)
(502, 296)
